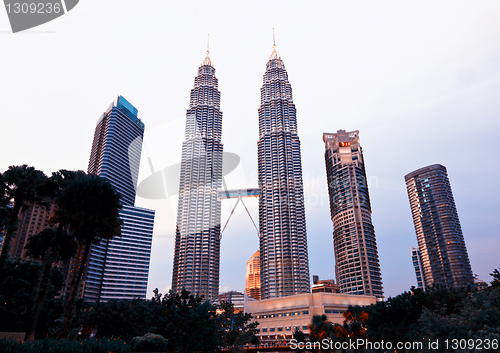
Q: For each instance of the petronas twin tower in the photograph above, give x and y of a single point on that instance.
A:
(282, 226)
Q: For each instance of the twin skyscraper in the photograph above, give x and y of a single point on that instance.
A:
(284, 263)
(282, 224)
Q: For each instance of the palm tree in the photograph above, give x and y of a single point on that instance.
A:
(320, 328)
(4, 205)
(50, 247)
(354, 321)
(89, 206)
(21, 184)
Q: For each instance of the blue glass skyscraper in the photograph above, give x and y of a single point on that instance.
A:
(118, 268)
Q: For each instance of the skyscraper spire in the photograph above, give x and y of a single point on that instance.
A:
(207, 60)
(274, 54)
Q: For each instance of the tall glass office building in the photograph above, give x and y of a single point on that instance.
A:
(118, 268)
(282, 220)
(357, 267)
(197, 236)
(417, 265)
(443, 254)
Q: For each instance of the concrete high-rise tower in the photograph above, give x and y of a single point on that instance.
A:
(282, 220)
(119, 268)
(357, 267)
(444, 257)
(197, 237)
(252, 278)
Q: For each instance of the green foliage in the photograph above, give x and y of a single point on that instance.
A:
(18, 283)
(190, 322)
(21, 184)
(478, 317)
(394, 320)
(436, 314)
(64, 346)
(320, 328)
(50, 247)
(89, 206)
(496, 278)
(235, 328)
(123, 319)
(299, 336)
(149, 343)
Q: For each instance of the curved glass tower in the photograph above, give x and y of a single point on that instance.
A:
(282, 222)
(443, 253)
(118, 268)
(357, 267)
(197, 237)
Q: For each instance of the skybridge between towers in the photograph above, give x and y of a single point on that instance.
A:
(238, 194)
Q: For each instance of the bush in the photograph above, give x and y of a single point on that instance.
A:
(149, 343)
(101, 345)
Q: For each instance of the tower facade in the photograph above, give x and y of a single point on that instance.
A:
(32, 220)
(282, 222)
(116, 149)
(252, 278)
(119, 268)
(197, 236)
(417, 265)
(444, 257)
(357, 267)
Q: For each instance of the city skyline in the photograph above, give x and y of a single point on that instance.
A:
(416, 81)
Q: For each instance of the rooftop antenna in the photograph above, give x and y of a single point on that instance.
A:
(207, 60)
(274, 41)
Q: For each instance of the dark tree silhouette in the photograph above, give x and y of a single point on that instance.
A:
(22, 185)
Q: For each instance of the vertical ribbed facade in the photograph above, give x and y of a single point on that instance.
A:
(357, 267)
(118, 268)
(444, 257)
(282, 222)
(197, 238)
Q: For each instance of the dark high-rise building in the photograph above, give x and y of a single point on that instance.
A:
(116, 149)
(444, 257)
(417, 265)
(357, 267)
(118, 268)
(282, 220)
(197, 237)
(32, 220)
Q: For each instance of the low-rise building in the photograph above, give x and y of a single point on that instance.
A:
(279, 318)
